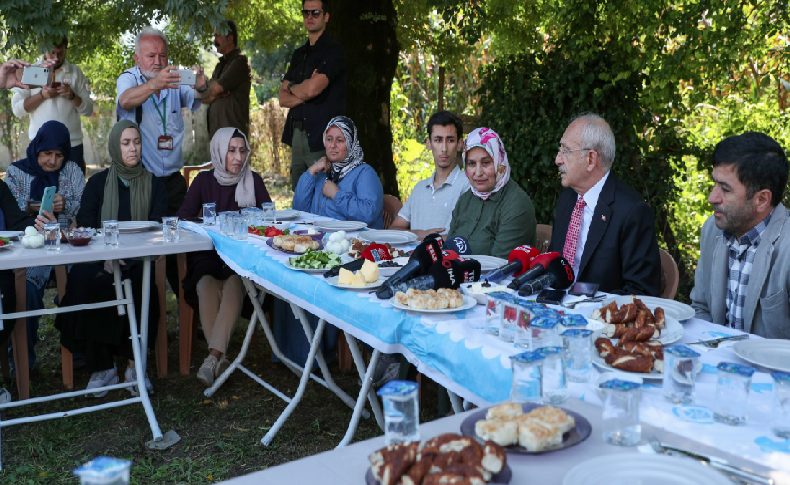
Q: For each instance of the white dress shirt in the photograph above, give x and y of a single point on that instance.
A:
(59, 108)
(590, 201)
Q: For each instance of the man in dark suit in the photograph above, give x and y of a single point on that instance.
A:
(603, 227)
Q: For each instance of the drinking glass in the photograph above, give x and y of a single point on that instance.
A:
(621, 425)
(254, 215)
(545, 331)
(780, 418)
(523, 335)
(527, 384)
(170, 229)
(555, 388)
(268, 212)
(110, 233)
(732, 393)
(52, 237)
(679, 375)
(226, 223)
(578, 354)
(209, 213)
(508, 322)
(493, 315)
(401, 411)
(240, 226)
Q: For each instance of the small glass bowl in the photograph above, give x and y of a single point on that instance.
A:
(80, 236)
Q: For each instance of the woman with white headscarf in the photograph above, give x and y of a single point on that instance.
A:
(497, 215)
(341, 185)
(231, 185)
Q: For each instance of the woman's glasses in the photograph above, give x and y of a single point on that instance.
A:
(312, 13)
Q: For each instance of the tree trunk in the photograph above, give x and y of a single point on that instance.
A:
(441, 88)
(366, 29)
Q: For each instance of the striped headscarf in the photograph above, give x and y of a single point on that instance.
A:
(489, 141)
(353, 156)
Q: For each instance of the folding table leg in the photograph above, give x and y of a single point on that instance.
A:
(138, 362)
(366, 381)
(456, 402)
(360, 364)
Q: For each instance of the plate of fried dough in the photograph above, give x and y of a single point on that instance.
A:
(293, 244)
(447, 458)
(443, 300)
(527, 428)
(637, 319)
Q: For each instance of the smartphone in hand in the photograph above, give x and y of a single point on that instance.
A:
(47, 199)
(188, 77)
(35, 76)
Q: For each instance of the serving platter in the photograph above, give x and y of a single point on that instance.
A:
(770, 353)
(469, 302)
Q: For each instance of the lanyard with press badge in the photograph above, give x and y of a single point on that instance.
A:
(165, 141)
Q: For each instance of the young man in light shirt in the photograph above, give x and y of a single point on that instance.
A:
(430, 206)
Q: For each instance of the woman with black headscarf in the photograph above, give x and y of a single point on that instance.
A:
(231, 185)
(47, 165)
(125, 192)
(341, 185)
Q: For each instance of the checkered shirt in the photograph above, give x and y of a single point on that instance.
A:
(741, 256)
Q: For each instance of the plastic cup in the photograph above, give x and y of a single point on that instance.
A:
(621, 425)
(401, 411)
(110, 233)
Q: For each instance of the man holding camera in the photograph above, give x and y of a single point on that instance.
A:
(65, 100)
(314, 88)
(151, 95)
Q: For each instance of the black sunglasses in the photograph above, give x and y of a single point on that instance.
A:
(315, 13)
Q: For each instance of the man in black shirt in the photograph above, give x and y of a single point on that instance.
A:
(314, 88)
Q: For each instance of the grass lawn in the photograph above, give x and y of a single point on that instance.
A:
(220, 436)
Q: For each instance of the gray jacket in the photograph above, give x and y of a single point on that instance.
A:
(767, 309)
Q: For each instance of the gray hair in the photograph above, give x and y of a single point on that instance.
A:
(597, 135)
(147, 30)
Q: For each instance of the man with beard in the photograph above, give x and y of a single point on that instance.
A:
(430, 206)
(314, 90)
(603, 227)
(743, 274)
(148, 96)
(65, 100)
(229, 87)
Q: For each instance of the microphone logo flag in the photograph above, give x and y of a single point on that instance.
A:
(449, 266)
(432, 252)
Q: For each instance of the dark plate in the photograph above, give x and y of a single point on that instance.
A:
(502, 477)
(270, 243)
(573, 437)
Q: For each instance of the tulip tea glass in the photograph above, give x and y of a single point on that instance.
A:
(527, 384)
(621, 425)
(780, 418)
(401, 411)
(732, 393)
(52, 237)
(555, 388)
(110, 233)
(578, 354)
(679, 375)
(209, 213)
(170, 229)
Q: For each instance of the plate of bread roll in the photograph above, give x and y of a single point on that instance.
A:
(447, 458)
(527, 428)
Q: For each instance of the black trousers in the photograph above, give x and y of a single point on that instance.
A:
(176, 187)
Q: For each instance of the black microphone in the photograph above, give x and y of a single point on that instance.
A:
(444, 274)
(425, 255)
(559, 275)
(536, 268)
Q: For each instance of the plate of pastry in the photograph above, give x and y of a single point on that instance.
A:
(527, 428)
(645, 359)
(447, 458)
(443, 300)
(675, 309)
(633, 317)
(293, 244)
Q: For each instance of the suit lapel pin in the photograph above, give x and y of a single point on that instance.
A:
(603, 218)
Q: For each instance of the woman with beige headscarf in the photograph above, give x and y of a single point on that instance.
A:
(124, 192)
(231, 185)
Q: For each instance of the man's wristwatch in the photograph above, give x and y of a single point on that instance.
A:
(73, 95)
(289, 87)
(205, 87)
